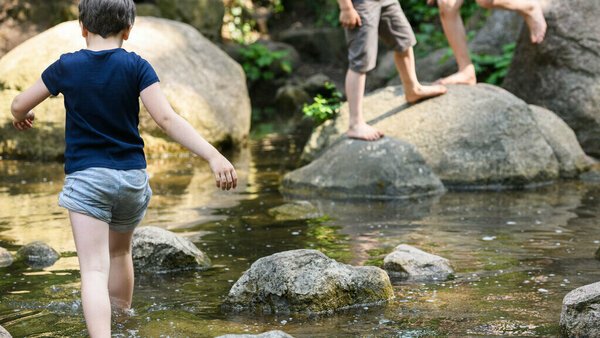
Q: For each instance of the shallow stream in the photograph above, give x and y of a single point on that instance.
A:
(516, 254)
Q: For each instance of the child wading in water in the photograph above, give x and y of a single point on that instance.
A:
(106, 187)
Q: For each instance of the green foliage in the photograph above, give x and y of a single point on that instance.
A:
(258, 61)
(493, 68)
(324, 107)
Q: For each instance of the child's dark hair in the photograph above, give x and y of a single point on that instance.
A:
(106, 17)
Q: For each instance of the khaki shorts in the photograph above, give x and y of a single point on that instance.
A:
(379, 17)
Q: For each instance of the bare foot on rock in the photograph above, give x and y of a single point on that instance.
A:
(363, 131)
(421, 92)
(465, 76)
(534, 17)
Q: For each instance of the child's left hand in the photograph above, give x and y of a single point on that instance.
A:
(27, 123)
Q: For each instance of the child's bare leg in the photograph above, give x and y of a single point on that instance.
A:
(530, 10)
(413, 90)
(355, 91)
(457, 39)
(91, 241)
(120, 281)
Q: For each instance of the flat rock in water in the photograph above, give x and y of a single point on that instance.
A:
(6, 259)
(580, 315)
(306, 281)
(295, 210)
(477, 137)
(158, 250)
(411, 263)
(37, 255)
(383, 169)
(270, 334)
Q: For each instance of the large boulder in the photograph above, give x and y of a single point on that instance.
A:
(473, 137)
(411, 263)
(317, 44)
(563, 73)
(37, 255)
(6, 259)
(202, 83)
(270, 334)
(387, 168)
(306, 281)
(580, 315)
(204, 15)
(157, 250)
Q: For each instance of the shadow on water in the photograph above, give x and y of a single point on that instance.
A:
(516, 254)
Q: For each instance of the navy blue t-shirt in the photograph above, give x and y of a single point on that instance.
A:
(101, 91)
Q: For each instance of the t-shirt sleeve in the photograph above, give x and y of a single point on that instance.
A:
(146, 75)
(52, 77)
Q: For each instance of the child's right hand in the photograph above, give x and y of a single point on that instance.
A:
(224, 172)
(349, 18)
(27, 123)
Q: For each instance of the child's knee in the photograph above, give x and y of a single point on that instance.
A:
(485, 3)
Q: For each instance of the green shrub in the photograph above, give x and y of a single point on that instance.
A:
(493, 68)
(258, 60)
(324, 107)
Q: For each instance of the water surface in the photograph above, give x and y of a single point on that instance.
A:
(516, 254)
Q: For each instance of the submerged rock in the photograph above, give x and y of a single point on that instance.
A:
(6, 259)
(409, 262)
(472, 137)
(387, 168)
(306, 281)
(202, 82)
(4, 333)
(37, 255)
(158, 250)
(270, 334)
(294, 211)
(580, 315)
(563, 73)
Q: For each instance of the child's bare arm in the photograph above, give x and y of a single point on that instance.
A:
(349, 18)
(182, 132)
(23, 104)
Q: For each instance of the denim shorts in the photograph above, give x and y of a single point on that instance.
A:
(117, 197)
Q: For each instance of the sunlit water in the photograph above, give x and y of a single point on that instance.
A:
(516, 254)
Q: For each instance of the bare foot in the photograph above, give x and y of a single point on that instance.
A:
(465, 76)
(363, 131)
(534, 17)
(423, 92)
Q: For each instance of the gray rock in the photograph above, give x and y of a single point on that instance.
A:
(387, 168)
(472, 137)
(4, 333)
(204, 15)
(580, 315)
(290, 99)
(306, 281)
(37, 255)
(202, 82)
(158, 250)
(563, 73)
(6, 259)
(316, 83)
(571, 158)
(270, 334)
(294, 211)
(411, 263)
(324, 44)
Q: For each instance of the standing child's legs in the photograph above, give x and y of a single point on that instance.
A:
(457, 39)
(413, 90)
(355, 89)
(91, 240)
(120, 281)
(530, 10)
